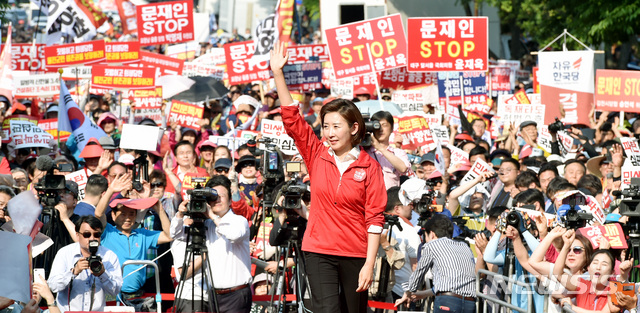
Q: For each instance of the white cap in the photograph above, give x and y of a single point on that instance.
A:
(412, 190)
(244, 99)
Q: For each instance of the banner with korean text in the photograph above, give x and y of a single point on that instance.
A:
(306, 76)
(77, 19)
(448, 43)
(617, 90)
(147, 104)
(308, 53)
(415, 130)
(23, 59)
(566, 80)
(127, 12)
(241, 67)
(26, 134)
(352, 46)
(499, 80)
(400, 78)
(186, 114)
(122, 52)
(38, 85)
(275, 131)
(74, 54)
(51, 126)
(123, 77)
(453, 85)
(166, 65)
(165, 22)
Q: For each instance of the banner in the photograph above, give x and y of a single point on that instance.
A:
(38, 85)
(23, 59)
(192, 69)
(122, 52)
(474, 88)
(631, 149)
(241, 66)
(400, 78)
(409, 100)
(442, 133)
(188, 183)
(284, 13)
(617, 90)
(457, 156)
(303, 76)
(308, 53)
(214, 56)
(6, 74)
(500, 80)
(81, 178)
(264, 36)
(123, 77)
(74, 54)
(166, 65)
(183, 51)
(6, 129)
(71, 119)
(25, 134)
(148, 104)
(165, 23)
(448, 43)
(478, 168)
(518, 113)
(566, 78)
(233, 143)
(51, 127)
(275, 131)
(342, 88)
(186, 114)
(352, 46)
(78, 19)
(128, 20)
(415, 130)
(76, 72)
(612, 232)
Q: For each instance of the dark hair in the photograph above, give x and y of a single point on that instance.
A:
(220, 180)
(512, 161)
(96, 185)
(478, 150)
(349, 112)
(243, 146)
(530, 196)
(496, 211)
(554, 185)
(548, 167)
(525, 178)
(183, 143)
(392, 198)
(591, 183)
(383, 115)
(588, 251)
(159, 175)
(440, 225)
(609, 255)
(8, 191)
(93, 222)
(114, 164)
(572, 161)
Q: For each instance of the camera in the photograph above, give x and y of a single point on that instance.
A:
(630, 205)
(574, 218)
(370, 127)
(513, 219)
(140, 170)
(556, 126)
(50, 184)
(95, 261)
(466, 232)
(200, 196)
(293, 192)
(392, 220)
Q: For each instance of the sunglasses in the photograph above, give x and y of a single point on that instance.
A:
(157, 185)
(577, 250)
(222, 169)
(87, 235)
(386, 98)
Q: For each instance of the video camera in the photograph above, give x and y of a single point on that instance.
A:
(556, 126)
(425, 205)
(50, 184)
(574, 218)
(370, 127)
(95, 261)
(140, 170)
(466, 232)
(294, 192)
(199, 197)
(630, 204)
(391, 220)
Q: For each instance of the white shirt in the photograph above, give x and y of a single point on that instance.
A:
(74, 291)
(228, 245)
(350, 158)
(191, 284)
(408, 242)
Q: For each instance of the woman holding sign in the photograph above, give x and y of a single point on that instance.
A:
(348, 197)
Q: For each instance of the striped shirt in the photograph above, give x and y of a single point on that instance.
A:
(452, 265)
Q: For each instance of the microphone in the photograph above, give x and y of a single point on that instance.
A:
(44, 163)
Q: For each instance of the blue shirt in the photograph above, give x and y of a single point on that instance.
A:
(83, 208)
(133, 247)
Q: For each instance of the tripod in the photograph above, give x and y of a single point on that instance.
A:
(196, 245)
(291, 248)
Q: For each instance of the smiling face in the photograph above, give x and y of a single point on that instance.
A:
(576, 258)
(338, 133)
(206, 153)
(124, 218)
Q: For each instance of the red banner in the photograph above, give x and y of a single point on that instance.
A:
(122, 52)
(352, 46)
(165, 23)
(74, 54)
(240, 67)
(51, 127)
(127, 12)
(416, 132)
(308, 53)
(186, 114)
(448, 43)
(167, 65)
(148, 103)
(123, 77)
(21, 59)
(612, 232)
(284, 13)
(500, 80)
(399, 78)
(617, 90)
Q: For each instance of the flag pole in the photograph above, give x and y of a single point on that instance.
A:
(58, 130)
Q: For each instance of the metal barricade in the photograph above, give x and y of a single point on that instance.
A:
(501, 303)
(156, 276)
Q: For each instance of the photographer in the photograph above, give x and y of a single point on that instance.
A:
(82, 285)
(394, 161)
(227, 239)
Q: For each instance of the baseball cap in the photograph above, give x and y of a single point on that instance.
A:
(72, 187)
(136, 204)
(107, 143)
(428, 157)
(361, 91)
(224, 162)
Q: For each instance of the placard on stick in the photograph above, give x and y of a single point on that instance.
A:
(139, 137)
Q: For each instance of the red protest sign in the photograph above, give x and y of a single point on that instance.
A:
(74, 54)
(400, 77)
(352, 46)
(448, 44)
(241, 67)
(617, 90)
(51, 127)
(308, 53)
(416, 130)
(148, 103)
(167, 65)
(165, 23)
(189, 183)
(123, 77)
(186, 114)
(500, 80)
(22, 60)
(127, 12)
(612, 232)
(122, 52)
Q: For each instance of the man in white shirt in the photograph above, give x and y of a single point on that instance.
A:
(78, 287)
(227, 240)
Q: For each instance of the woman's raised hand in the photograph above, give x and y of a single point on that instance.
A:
(279, 57)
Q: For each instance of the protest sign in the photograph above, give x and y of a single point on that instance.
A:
(306, 76)
(566, 78)
(166, 65)
(140, 137)
(72, 20)
(51, 127)
(448, 43)
(127, 12)
(147, 104)
(342, 88)
(400, 78)
(264, 36)
(500, 80)
(229, 142)
(214, 56)
(23, 59)
(25, 134)
(544, 138)
(184, 51)
(192, 69)
(629, 171)
(6, 124)
(285, 14)
(612, 232)
(409, 100)
(457, 156)
(189, 183)
(241, 67)
(451, 88)
(81, 178)
(122, 52)
(415, 130)
(353, 46)
(631, 149)
(308, 53)
(617, 90)
(518, 113)
(76, 72)
(478, 168)
(165, 23)
(74, 54)
(441, 132)
(38, 85)
(186, 114)
(123, 77)
(275, 131)
(534, 78)
(513, 65)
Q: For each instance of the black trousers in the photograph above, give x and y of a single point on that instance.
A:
(238, 301)
(333, 281)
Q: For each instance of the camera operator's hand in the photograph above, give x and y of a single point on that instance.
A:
(511, 232)
(81, 265)
(62, 209)
(101, 270)
(375, 143)
(481, 242)
(182, 209)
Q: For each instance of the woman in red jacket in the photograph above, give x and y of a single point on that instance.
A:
(348, 197)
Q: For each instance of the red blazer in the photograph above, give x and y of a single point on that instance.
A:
(343, 209)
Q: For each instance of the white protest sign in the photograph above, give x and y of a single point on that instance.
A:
(192, 69)
(518, 113)
(229, 142)
(275, 131)
(342, 88)
(631, 148)
(442, 133)
(544, 138)
(25, 134)
(409, 100)
(36, 85)
(140, 137)
(457, 156)
(478, 168)
(214, 56)
(566, 141)
(79, 72)
(264, 36)
(81, 178)
(629, 171)
(593, 207)
(24, 210)
(14, 266)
